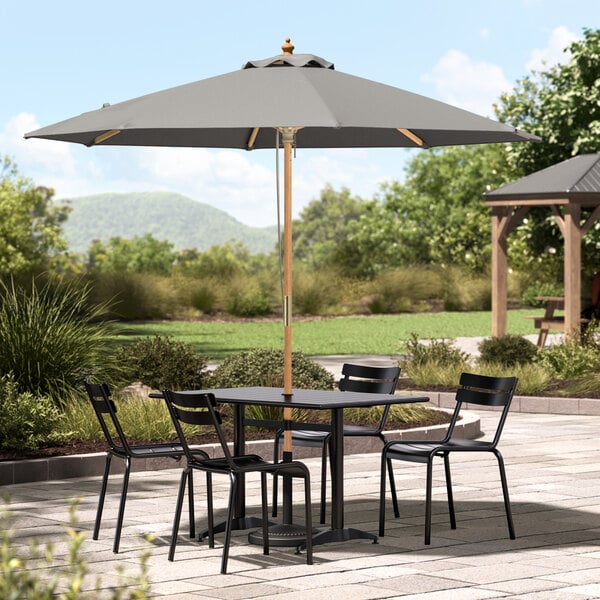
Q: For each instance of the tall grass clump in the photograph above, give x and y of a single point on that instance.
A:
(134, 296)
(404, 290)
(463, 291)
(319, 292)
(52, 337)
(142, 418)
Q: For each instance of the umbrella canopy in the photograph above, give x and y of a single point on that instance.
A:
(240, 110)
(301, 96)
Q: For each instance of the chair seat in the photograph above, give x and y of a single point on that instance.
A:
(424, 449)
(252, 462)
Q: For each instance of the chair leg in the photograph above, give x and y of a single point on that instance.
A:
(265, 512)
(449, 491)
(308, 520)
(429, 484)
(275, 478)
(122, 505)
(192, 516)
(393, 488)
(177, 516)
(511, 527)
(102, 496)
(210, 509)
(385, 464)
(228, 524)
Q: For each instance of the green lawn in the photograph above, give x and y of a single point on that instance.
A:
(377, 334)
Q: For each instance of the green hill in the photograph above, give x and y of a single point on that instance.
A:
(166, 216)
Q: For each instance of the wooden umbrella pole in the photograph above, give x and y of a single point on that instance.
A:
(288, 138)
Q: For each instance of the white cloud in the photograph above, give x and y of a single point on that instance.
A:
(35, 155)
(542, 58)
(463, 82)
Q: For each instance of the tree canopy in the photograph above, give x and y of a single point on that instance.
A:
(30, 224)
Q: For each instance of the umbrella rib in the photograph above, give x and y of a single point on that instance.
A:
(252, 138)
(106, 135)
(412, 136)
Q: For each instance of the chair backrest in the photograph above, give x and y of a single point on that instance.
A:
(375, 380)
(196, 409)
(106, 412)
(372, 380)
(484, 391)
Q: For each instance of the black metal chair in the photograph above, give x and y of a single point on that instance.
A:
(356, 378)
(474, 389)
(118, 445)
(201, 409)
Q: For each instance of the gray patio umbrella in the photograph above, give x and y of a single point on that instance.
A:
(304, 99)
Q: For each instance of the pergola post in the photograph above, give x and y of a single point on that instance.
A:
(572, 270)
(504, 220)
(499, 272)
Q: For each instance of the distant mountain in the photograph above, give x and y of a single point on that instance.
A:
(166, 216)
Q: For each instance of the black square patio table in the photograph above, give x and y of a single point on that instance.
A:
(334, 401)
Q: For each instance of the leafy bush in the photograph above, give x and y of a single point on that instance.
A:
(26, 421)
(533, 378)
(32, 573)
(569, 360)
(508, 350)
(528, 296)
(52, 337)
(162, 362)
(264, 367)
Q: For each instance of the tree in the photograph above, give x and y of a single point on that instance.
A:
(562, 106)
(30, 224)
(323, 226)
(136, 255)
(437, 216)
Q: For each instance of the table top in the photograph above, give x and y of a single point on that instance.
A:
(315, 399)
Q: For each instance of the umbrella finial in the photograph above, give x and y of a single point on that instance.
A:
(287, 47)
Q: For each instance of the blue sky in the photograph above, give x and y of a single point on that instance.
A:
(65, 57)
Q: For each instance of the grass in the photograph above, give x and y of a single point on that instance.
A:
(376, 334)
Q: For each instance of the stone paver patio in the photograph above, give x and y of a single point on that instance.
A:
(553, 468)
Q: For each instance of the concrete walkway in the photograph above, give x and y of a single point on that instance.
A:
(553, 468)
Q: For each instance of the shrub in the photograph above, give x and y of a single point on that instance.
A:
(508, 350)
(528, 297)
(264, 368)
(52, 337)
(533, 378)
(26, 421)
(28, 572)
(569, 360)
(162, 363)
(439, 352)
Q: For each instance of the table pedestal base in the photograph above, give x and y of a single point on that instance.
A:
(282, 535)
(237, 524)
(295, 535)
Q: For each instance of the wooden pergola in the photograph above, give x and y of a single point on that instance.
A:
(565, 188)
